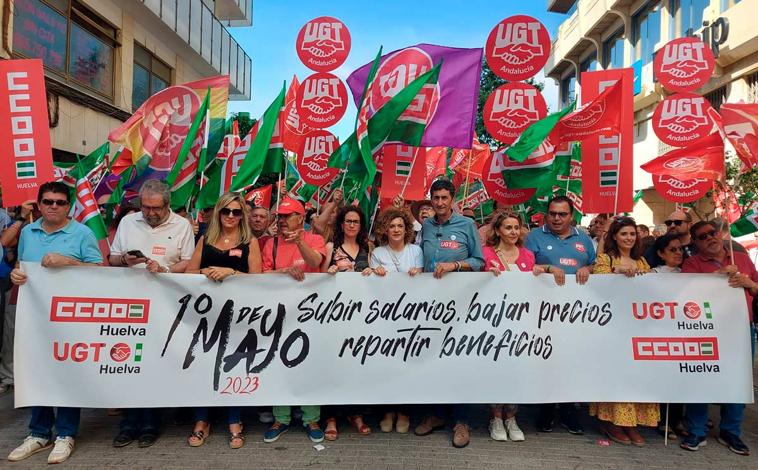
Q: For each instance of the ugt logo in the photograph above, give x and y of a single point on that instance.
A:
(395, 73)
(681, 185)
(683, 114)
(684, 164)
(586, 118)
(518, 42)
(515, 107)
(317, 149)
(323, 38)
(321, 94)
(684, 60)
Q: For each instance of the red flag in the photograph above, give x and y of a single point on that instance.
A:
(741, 128)
(704, 159)
(436, 163)
(468, 165)
(293, 127)
(404, 172)
(726, 204)
(230, 142)
(601, 115)
(260, 196)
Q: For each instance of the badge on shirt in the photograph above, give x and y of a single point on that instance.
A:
(235, 252)
(579, 247)
(449, 244)
(159, 250)
(568, 262)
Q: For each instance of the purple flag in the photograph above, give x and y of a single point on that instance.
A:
(451, 105)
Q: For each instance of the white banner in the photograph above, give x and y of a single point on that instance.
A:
(114, 338)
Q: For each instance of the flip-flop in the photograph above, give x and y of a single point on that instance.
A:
(331, 434)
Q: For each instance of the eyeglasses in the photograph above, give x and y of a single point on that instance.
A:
(57, 202)
(352, 222)
(704, 236)
(226, 212)
(558, 214)
(669, 223)
(152, 209)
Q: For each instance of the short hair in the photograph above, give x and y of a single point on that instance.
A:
(698, 225)
(660, 244)
(54, 187)
(386, 217)
(442, 184)
(156, 186)
(562, 198)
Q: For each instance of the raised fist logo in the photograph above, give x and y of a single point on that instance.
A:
(518, 53)
(323, 48)
(683, 124)
(685, 68)
(322, 105)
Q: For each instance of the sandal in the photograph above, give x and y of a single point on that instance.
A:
(236, 439)
(330, 433)
(362, 428)
(198, 438)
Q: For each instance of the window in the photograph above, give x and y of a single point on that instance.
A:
(613, 50)
(726, 4)
(589, 64)
(686, 15)
(752, 88)
(647, 31)
(150, 76)
(568, 89)
(72, 42)
(717, 97)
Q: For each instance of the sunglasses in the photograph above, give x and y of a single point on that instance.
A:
(57, 202)
(706, 235)
(624, 218)
(669, 223)
(226, 212)
(558, 214)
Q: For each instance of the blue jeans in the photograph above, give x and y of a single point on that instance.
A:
(66, 422)
(234, 413)
(731, 418)
(140, 420)
(461, 413)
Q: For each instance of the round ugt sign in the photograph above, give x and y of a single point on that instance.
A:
(322, 100)
(510, 109)
(313, 156)
(323, 44)
(683, 64)
(682, 118)
(517, 47)
(681, 191)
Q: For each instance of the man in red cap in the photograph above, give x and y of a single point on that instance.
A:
(295, 252)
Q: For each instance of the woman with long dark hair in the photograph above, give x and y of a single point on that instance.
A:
(622, 255)
(227, 248)
(347, 252)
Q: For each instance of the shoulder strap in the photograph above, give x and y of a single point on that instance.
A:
(273, 253)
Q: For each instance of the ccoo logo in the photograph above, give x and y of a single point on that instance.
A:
(518, 47)
(511, 108)
(684, 64)
(322, 100)
(682, 118)
(323, 44)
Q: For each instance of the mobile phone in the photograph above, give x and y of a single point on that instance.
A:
(136, 253)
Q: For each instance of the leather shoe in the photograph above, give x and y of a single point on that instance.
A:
(635, 436)
(147, 439)
(429, 425)
(460, 436)
(616, 434)
(123, 439)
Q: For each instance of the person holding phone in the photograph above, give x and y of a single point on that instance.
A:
(156, 239)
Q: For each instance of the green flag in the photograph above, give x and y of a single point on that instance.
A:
(258, 159)
(85, 209)
(535, 134)
(183, 176)
(745, 225)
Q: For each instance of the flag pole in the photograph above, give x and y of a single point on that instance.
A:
(408, 178)
(373, 218)
(618, 169)
(666, 428)
(465, 184)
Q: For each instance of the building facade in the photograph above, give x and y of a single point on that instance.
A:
(606, 34)
(104, 58)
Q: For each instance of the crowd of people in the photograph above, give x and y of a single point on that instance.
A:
(235, 238)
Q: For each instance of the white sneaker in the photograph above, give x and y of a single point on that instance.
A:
(497, 430)
(514, 432)
(29, 447)
(265, 417)
(62, 450)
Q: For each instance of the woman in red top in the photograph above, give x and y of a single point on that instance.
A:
(503, 251)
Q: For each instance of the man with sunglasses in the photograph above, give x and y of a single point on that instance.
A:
(161, 241)
(677, 223)
(560, 248)
(54, 241)
(713, 257)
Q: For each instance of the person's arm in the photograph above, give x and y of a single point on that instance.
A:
(193, 267)
(9, 238)
(311, 255)
(329, 251)
(254, 257)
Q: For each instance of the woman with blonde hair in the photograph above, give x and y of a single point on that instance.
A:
(227, 248)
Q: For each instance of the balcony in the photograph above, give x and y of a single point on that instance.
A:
(560, 6)
(235, 12)
(200, 39)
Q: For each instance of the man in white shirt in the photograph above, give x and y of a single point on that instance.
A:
(160, 241)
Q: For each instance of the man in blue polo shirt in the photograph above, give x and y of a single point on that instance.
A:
(54, 241)
(560, 248)
(450, 243)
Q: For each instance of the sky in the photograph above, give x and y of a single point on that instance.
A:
(393, 24)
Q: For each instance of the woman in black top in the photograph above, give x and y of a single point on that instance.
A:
(348, 252)
(227, 248)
